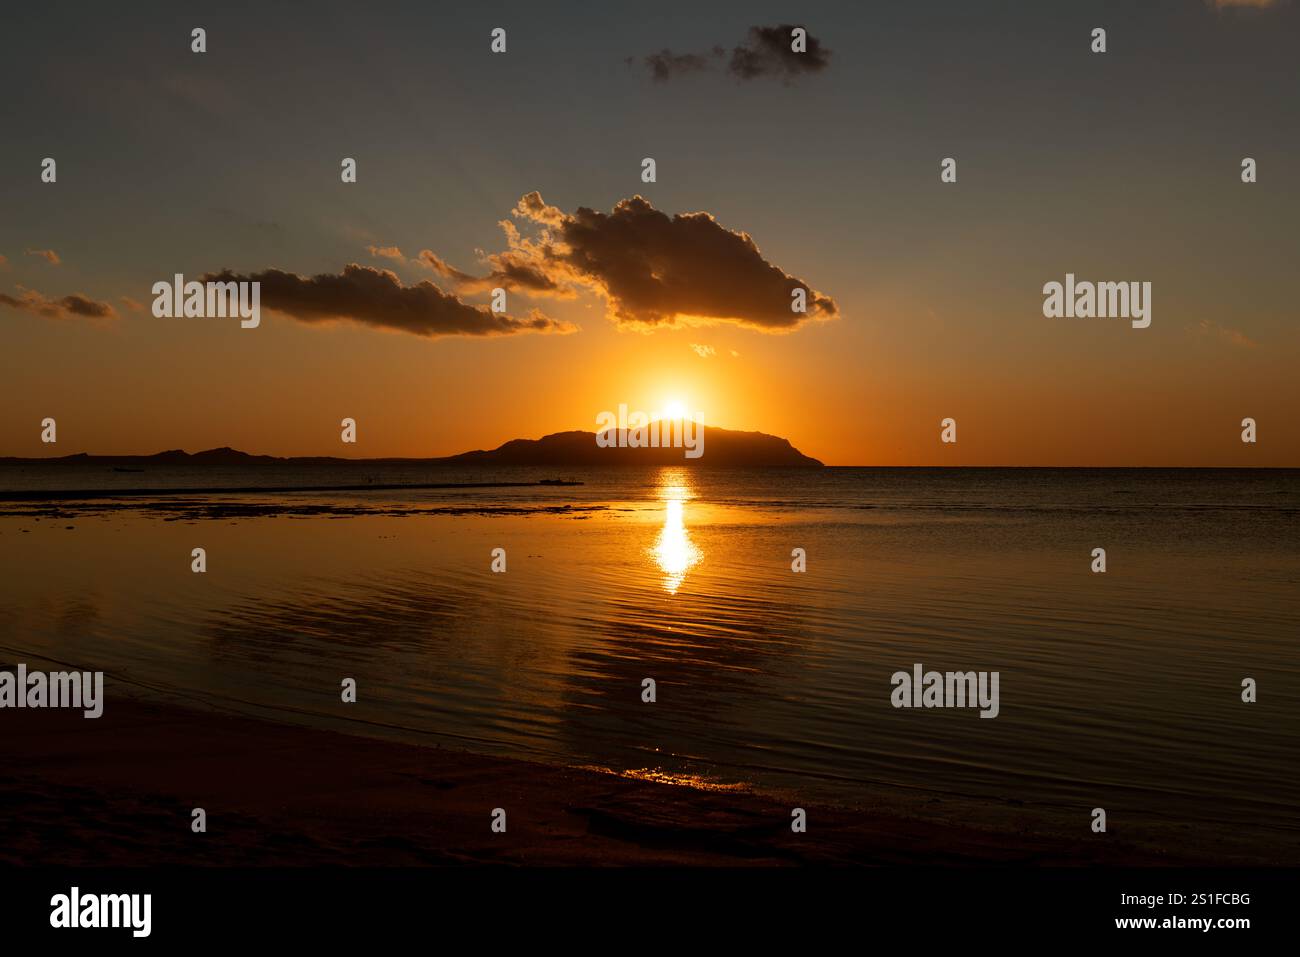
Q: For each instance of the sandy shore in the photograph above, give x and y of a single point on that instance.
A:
(119, 791)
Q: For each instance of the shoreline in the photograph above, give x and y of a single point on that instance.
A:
(119, 790)
(62, 495)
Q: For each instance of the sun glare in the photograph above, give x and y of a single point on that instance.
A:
(675, 409)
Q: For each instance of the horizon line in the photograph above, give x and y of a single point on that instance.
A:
(440, 459)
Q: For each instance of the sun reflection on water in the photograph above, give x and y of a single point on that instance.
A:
(695, 781)
(674, 551)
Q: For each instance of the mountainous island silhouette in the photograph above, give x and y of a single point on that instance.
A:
(723, 448)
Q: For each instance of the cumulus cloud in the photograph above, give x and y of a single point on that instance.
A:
(651, 268)
(49, 255)
(376, 297)
(766, 52)
(75, 306)
(704, 352)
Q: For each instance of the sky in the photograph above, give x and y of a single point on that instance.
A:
(925, 297)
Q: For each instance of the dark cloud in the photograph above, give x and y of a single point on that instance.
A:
(651, 268)
(766, 53)
(376, 297)
(75, 306)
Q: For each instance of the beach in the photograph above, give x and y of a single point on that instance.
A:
(119, 791)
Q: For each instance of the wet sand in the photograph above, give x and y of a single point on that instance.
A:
(119, 791)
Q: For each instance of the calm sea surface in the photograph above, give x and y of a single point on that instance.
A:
(1120, 690)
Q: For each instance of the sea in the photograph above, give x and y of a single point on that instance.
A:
(770, 609)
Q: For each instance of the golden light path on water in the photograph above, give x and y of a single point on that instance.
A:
(674, 551)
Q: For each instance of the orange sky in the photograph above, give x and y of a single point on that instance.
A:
(1112, 395)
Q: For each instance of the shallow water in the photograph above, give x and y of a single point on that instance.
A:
(1119, 690)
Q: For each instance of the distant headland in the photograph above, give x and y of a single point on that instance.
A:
(577, 449)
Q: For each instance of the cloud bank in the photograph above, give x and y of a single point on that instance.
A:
(652, 269)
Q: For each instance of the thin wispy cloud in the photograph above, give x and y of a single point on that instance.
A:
(666, 64)
(49, 255)
(521, 267)
(1206, 329)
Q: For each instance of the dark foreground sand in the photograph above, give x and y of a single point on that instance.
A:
(119, 791)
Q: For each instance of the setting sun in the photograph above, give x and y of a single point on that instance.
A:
(675, 409)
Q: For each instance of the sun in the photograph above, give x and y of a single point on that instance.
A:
(675, 409)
